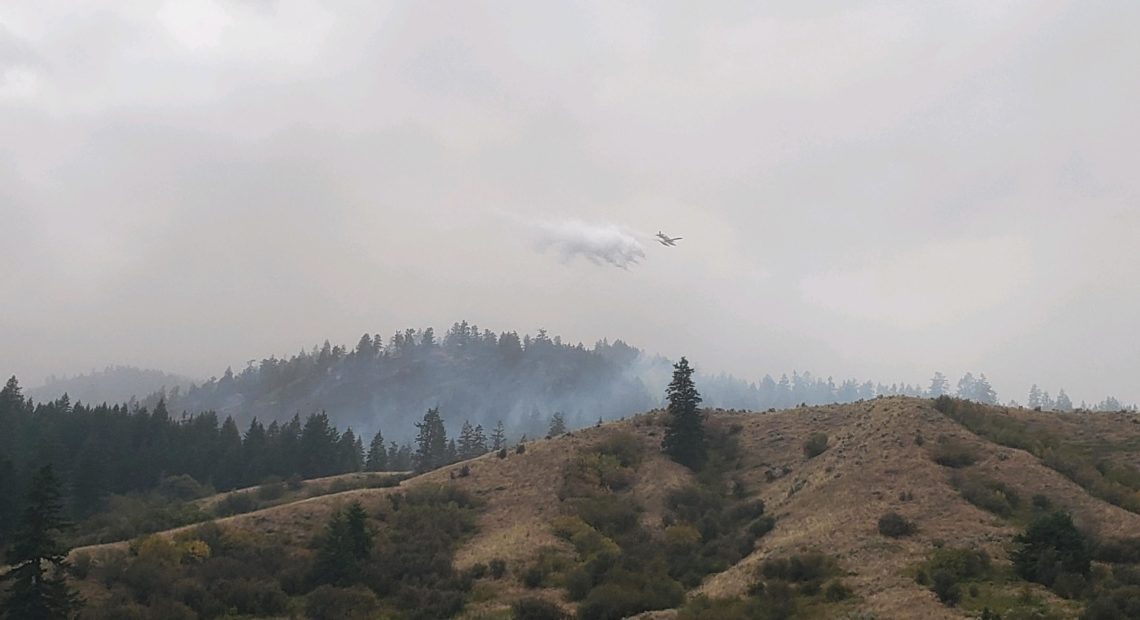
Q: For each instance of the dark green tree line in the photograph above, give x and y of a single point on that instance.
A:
(37, 582)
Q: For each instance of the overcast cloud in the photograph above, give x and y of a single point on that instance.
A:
(871, 189)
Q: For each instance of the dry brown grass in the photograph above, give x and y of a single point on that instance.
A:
(830, 503)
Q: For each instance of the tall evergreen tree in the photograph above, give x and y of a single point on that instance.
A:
(479, 441)
(984, 392)
(1034, 399)
(684, 439)
(343, 548)
(498, 437)
(966, 386)
(319, 441)
(939, 385)
(1064, 403)
(39, 589)
(557, 425)
(377, 455)
(431, 442)
(350, 452)
(7, 508)
(466, 445)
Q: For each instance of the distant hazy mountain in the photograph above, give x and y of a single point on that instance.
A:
(114, 384)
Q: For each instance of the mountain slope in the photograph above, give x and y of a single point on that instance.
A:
(879, 458)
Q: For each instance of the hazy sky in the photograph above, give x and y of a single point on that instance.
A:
(871, 189)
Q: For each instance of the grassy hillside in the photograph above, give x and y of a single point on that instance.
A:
(548, 515)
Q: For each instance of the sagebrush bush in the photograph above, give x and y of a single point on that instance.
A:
(894, 525)
(799, 568)
(625, 447)
(836, 591)
(236, 504)
(946, 588)
(815, 445)
(498, 568)
(533, 608)
(954, 454)
(990, 495)
(331, 603)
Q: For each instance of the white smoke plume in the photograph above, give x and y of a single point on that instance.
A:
(598, 243)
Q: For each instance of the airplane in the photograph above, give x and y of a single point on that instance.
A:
(664, 239)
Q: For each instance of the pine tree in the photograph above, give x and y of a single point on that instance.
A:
(466, 446)
(394, 457)
(684, 439)
(557, 425)
(479, 441)
(39, 589)
(11, 398)
(1064, 403)
(345, 545)
(319, 441)
(7, 508)
(377, 456)
(349, 453)
(939, 385)
(966, 386)
(1034, 400)
(431, 442)
(983, 392)
(452, 453)
(498, 437)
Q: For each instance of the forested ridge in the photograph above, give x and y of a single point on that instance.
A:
(484, 377)
(468, 374)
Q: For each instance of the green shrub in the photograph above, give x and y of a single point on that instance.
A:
(331, 603)
(954, 454)
(762, 526)
(815, 445)
(498, 568)
(611, 515)
(628, 594)
(895, 525)
(1050, 547)
(257, 597)
(945, 586)
(625, 447)
(963, 564)
(703, 608)
(1116, 604)
(235, 504)
(533, 577)
(1118, 551)
(799, 568)
(271, 489)
(533, 608)
(990, 495)
(182, 488)
(836, 591)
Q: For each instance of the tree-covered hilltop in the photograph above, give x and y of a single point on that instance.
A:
(470, 374)
(113, 384)
(483, 377)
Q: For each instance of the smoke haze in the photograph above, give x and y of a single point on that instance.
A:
(866, 189)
